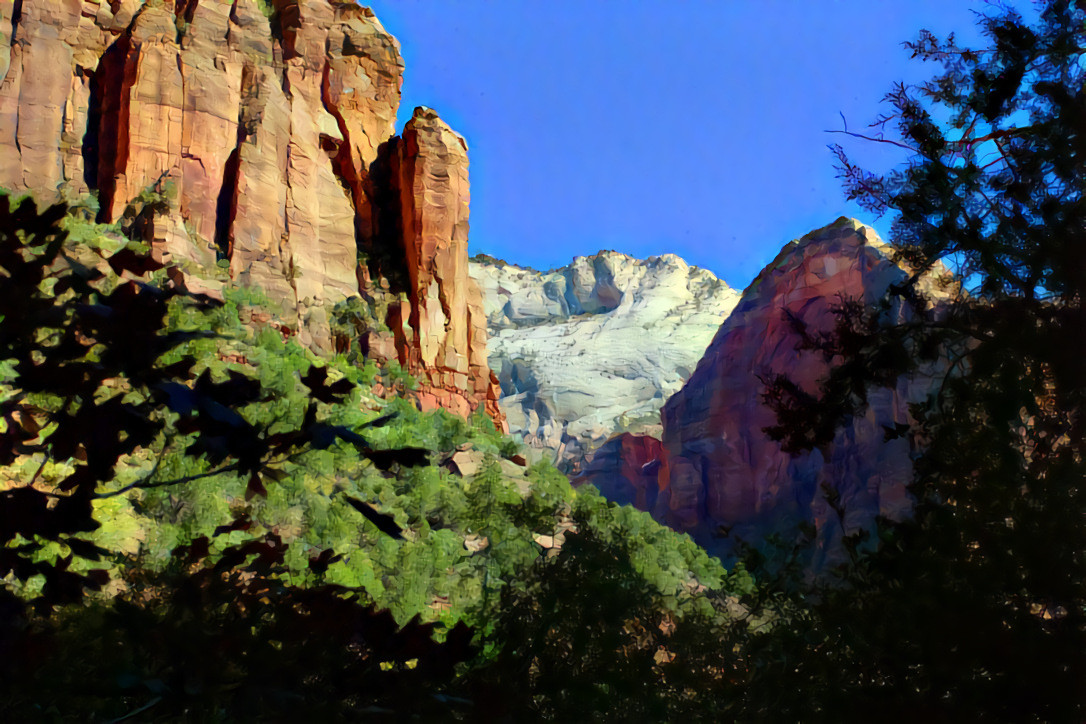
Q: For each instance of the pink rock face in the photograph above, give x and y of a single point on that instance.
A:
(259, 142)
(46, 60)
(720, 477)
(626, 470)
(258, 145)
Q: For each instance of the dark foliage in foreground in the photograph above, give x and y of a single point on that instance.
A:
(215, 642)
(585, 640)
(208, 639)
(188, 538)
(975, 610)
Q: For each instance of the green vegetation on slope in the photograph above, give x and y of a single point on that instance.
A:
(183, 483)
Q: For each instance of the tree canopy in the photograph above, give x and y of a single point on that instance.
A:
(976, 607)
(201, 520)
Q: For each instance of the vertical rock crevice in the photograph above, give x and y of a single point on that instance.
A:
(113, 82)
(383, 239)
(9, 28)
(350, 175)
(184, 11)
(226, 205)
(16, 17)
(92, 136)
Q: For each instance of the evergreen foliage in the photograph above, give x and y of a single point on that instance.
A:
(202, 521)
(210, 523)
(975, 609)
(618, 627)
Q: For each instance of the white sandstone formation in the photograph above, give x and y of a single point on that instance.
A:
(597, 346)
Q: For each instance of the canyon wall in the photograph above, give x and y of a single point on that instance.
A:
(244, 135)
(595, 347)
(717, 475)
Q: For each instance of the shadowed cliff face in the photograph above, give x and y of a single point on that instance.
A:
(259, 125)
(718, 475)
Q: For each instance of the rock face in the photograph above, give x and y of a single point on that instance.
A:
(445, 340)
(718, 475)
(597, 346)
(245, 133)
(626, 468)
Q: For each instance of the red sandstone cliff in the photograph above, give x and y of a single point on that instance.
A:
(429, 173)
(626, 469)
(261, 134)
(718, 476)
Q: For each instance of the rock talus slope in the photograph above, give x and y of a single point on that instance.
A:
(718, 475)
(595, 347)
(241, 133)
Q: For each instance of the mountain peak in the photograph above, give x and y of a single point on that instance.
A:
(596, 346)
(717, 469)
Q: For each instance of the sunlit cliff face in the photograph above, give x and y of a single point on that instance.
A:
(259, 147)
(595, 347)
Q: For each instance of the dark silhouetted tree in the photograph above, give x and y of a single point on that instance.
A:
(975, 609)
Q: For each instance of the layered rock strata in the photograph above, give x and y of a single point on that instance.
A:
(240, 134)
(595, 347)
(718, 475)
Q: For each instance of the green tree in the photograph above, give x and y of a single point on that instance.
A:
(212, 524)
(975, 609)
(94, 380)
(614, 625)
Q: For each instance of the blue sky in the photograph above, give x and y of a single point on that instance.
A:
(694, 127)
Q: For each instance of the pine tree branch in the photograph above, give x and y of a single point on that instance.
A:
(875, 139)
(145, 485)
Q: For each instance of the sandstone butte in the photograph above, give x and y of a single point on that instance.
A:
(271, 144)
(717, 475)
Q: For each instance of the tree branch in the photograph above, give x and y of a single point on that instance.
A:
(995, 135)
(876, 140)
(144, 485)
